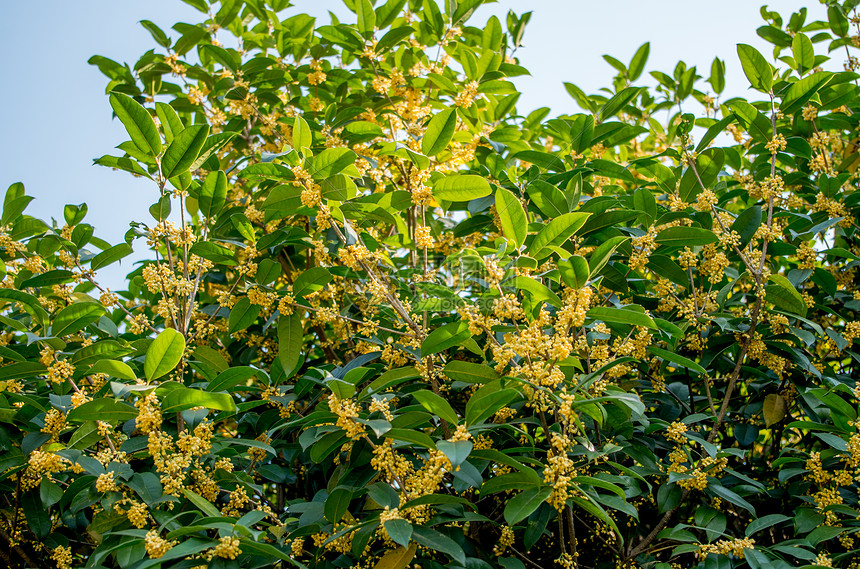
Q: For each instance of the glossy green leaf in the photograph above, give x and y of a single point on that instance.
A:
(461, 188)
(213, 194)
(182, 398)
(290, 332)
(555, 233)
(756, 68)
(784, 295)
(621, 316)
(525, 503)
(512, 215)
(164, 354)
(439, 132)
(436, 405)
(110, 256)
(103, 409)
(444, 337)
(138, 123)
(682, 236)
(184, 150)
(75, 317)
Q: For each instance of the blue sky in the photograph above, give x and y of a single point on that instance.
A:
(58, 118)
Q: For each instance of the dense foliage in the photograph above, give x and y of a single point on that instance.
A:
(388, 320)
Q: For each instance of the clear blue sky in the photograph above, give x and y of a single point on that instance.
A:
(57, 118)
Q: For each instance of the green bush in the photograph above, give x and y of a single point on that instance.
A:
(387, 320)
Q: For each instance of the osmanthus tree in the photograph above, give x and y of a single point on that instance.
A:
(388, 321)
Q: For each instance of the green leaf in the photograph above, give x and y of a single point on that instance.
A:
(202, 503)
(21, 370)
(366, 16)
(337, 504)
(393, 37)
(574, 271)
(311, 281)
(436, 541)
(267, 551)
(160, 210)
(440, 131)
(302, 137)
(555, 233)
(461, 188)
(181, 398)
(444, 337)
(456, 451)
(731, 496)
(171, 124)
(581, 133)
(436, 405)
(113, 368)
(783, 295)
(525, 503)
(512, 215)
(538, 291)
(714, 131)
(267, 271)
(332, 161)
(756, 68)
(803, 52)
(682, 236)
(399, 530)
(213, 144)
(339, 187)
(49, 278)
(677, 359)
(485, 402)
(746, 224)
(29, 302)
(600, 256)
(620, 100)
(580, 97)
(125, 164)
(548, 198)
(411, 436)
(837, 20)
(184, 150)
(470, 372)
(801, 91)
(621, 316)
(103, 409)
(163, 354)
(38, 519)
(75, 317)
(138, 122)
(290, 332)
(232, 377)
(213, 194)
(243, 226)
(242, 315)
(756, 124)
(214, 252)
(110, 256)
(718, 75)
(708, 166)
(765, 522)
(637, 64)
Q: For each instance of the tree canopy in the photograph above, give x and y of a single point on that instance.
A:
(387, 319)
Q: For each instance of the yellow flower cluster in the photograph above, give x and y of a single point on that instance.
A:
(60, 371)
(559, 470)
(734, 547)
(227, 548)
(156, 546)
(347, 411)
